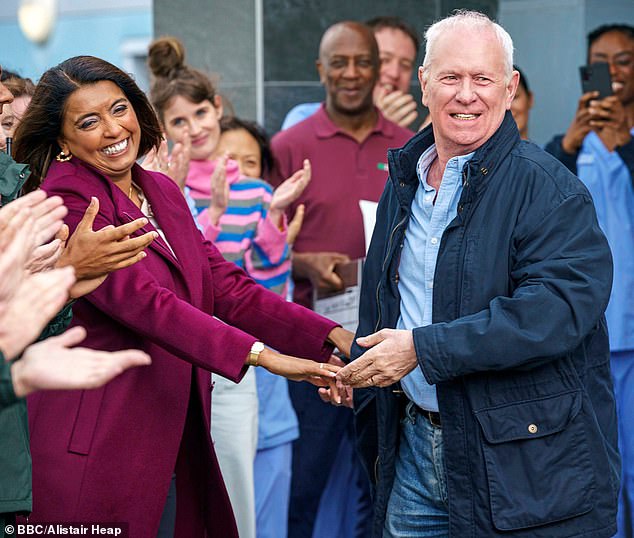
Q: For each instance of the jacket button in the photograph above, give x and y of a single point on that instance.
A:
(532, 428)
(402, 184)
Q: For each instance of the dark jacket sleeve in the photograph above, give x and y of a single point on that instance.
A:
(562, 275)
(12, 178)
(7, 395)
(569, 160)
(59, 323)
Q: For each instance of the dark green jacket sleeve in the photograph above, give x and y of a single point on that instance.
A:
(12, 178)
(7, 396)
(59, 323)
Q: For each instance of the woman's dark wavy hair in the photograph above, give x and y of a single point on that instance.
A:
(258, 133)
(36, 136)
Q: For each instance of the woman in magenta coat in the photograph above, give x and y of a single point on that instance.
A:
(110, 454)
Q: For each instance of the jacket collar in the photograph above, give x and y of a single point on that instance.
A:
(402, 161)
(326, 128)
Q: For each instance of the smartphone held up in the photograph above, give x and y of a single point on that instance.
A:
(596, 77)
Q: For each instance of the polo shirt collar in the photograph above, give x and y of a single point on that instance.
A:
(326, 128)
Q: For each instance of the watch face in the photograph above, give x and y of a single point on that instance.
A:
(258, 347)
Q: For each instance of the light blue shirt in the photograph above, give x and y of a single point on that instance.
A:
(299, 113)
(427, 223)
(191, 203)
(608, 180)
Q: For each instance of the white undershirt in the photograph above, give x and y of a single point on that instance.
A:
(146, 209)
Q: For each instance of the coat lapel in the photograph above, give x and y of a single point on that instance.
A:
(126, 211)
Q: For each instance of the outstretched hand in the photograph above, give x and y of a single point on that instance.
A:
(391, 357)
(95, 254)
(317, 373)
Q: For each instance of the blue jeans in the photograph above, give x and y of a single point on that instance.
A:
(418, 502)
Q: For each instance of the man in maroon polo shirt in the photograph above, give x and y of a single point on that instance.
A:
(346, 141)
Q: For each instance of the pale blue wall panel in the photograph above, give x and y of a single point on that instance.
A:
(101, 35)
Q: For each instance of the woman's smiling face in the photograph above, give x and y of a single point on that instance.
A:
(100, 127)
(200, 120)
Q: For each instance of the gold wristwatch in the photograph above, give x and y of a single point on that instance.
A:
(254, 354)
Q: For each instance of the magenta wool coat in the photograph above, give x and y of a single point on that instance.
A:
(108, 454)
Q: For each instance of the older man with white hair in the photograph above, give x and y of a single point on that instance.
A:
(484, 403)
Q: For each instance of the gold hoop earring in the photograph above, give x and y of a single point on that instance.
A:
(62, 157)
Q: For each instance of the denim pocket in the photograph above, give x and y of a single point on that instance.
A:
(537, 460)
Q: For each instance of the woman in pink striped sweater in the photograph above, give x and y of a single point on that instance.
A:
(245, 219)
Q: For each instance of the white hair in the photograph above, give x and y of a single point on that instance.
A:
(473, 20)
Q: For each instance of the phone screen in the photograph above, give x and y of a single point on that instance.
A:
(596, 78)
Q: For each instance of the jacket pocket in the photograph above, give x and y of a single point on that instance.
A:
(537, 460)
(86, 421)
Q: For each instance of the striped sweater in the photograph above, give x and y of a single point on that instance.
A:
(245, 234)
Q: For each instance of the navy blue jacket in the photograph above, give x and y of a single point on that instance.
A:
(518, 339)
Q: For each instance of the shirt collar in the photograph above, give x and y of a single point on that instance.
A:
(428, 156)
(326, 128)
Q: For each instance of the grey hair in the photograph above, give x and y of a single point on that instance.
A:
(472, 20)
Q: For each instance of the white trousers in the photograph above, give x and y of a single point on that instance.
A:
(234, 430)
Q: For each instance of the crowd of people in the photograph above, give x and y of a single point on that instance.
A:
(490, 384)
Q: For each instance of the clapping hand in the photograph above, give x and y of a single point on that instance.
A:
(291, 189)
(174, 165)
(17, 241)
(396, 106)
(219, 190)
(295, 225)
(54, 364)
(37, 299)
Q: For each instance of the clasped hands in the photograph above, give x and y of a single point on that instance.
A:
(390, 356)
